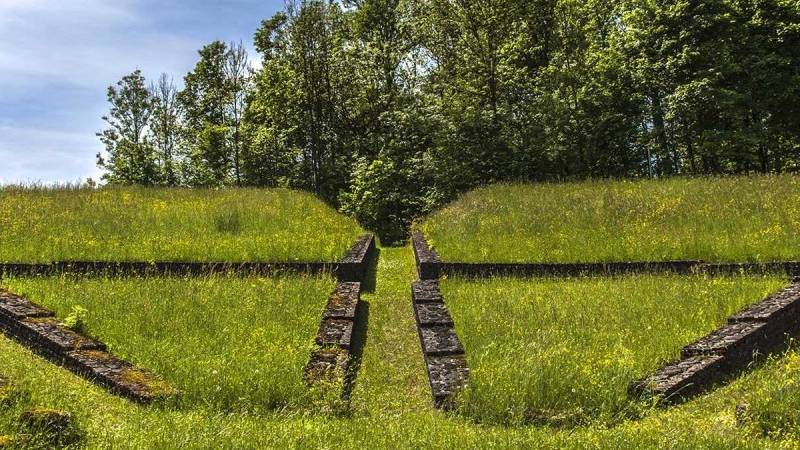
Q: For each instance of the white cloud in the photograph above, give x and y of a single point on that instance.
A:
(57, 57)
(82, 43)
(62, 55)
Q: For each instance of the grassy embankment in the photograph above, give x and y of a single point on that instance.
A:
(713, 219)
(43, 225)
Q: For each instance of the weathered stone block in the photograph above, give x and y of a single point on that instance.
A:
(354, 265)
(782, 306)
(335, 332)
(359, 252)
(428, 261)
(343, 303)
(118, 375)
(433, 314)
(683, 378)
(51, 336)
(740, 339)
(326, 364)
(426, 291)
(440, 341)
(14, 307)
(447, 374)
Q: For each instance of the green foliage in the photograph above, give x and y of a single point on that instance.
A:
(212, 102)
(390, 189)
(76, 319)
(499, 90)
(715, 219)
(130, 156)
(165, 129)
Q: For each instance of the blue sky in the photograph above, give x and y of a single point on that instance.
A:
(57, 57)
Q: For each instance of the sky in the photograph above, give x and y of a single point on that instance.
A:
(58, 57)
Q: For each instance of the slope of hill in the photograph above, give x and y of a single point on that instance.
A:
(136, 224)
(715, 219)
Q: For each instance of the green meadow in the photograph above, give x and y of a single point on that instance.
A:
(551, 358)
(390, 404)
(231, 343)
(141, 224)
(565, 351)
(714, 219)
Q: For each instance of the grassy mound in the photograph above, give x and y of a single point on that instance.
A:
(232, 344)
(565, 351)
(713, 219)
(136, 224)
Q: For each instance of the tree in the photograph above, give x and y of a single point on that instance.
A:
(204, 100)
(130, 157)
(165, 128)
(389, 108)
(237, 74)
(299, 104)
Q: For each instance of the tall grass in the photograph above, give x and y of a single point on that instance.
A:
(123, 224)
(565, 351)
(390, 404)
(771, 406)
(229, 343)
(715, 219)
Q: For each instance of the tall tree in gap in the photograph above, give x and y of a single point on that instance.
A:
(130, 158)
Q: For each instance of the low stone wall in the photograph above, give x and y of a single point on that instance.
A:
(749, 335)
(352, 267)
(334, 352)
(37, 328)
(138, 268)
(430, 267)
(444, 355)
(334, 341)
(428, 261)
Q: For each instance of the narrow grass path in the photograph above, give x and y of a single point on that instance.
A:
(392, 377)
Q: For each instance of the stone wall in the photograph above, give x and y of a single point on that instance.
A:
(37, 328)
(748, 336)
(444, 355)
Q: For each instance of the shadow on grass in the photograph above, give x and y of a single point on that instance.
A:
(370, 277)
(359, 343)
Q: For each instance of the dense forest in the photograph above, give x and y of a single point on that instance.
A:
(389, 108)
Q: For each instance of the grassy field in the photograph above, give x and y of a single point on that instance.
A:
(229, 343)
(236, 346)
(565, 351)
(130, 224)
(390, 406)
(772, 406)
(713, 219)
